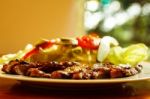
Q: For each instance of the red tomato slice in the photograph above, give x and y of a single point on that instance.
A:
(87, 42)
(35, 50)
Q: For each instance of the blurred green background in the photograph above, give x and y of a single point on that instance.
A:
(126, 20)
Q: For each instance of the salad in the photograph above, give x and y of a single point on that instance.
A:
(85, 57)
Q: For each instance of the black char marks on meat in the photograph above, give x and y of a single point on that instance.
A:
(49, 67)
(43, 69)
(35, 72)
(16, 67)
(69, 70)
(107, 70)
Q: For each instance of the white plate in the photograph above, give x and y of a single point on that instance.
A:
(144, 75)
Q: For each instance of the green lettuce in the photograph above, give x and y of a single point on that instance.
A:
(132, 54)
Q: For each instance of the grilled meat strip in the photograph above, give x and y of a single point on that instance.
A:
(69, 70)
(97, 72)
(21, 67)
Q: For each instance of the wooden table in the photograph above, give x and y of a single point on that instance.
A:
(11, 89)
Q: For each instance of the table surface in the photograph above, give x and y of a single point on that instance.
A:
(12, 89)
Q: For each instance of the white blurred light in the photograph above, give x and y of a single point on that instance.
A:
(28, 47)
(121, 18)
(146, 9)
(134, 10)
(91, 20)
(109, 23)
(92, 5)
(114, 6)
(112, 18)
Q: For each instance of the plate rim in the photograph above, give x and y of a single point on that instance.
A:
(73, 81)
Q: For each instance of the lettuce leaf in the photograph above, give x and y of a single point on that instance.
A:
(115, 55)
(132, 54)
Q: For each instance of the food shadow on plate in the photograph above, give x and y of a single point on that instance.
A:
(120, 89)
